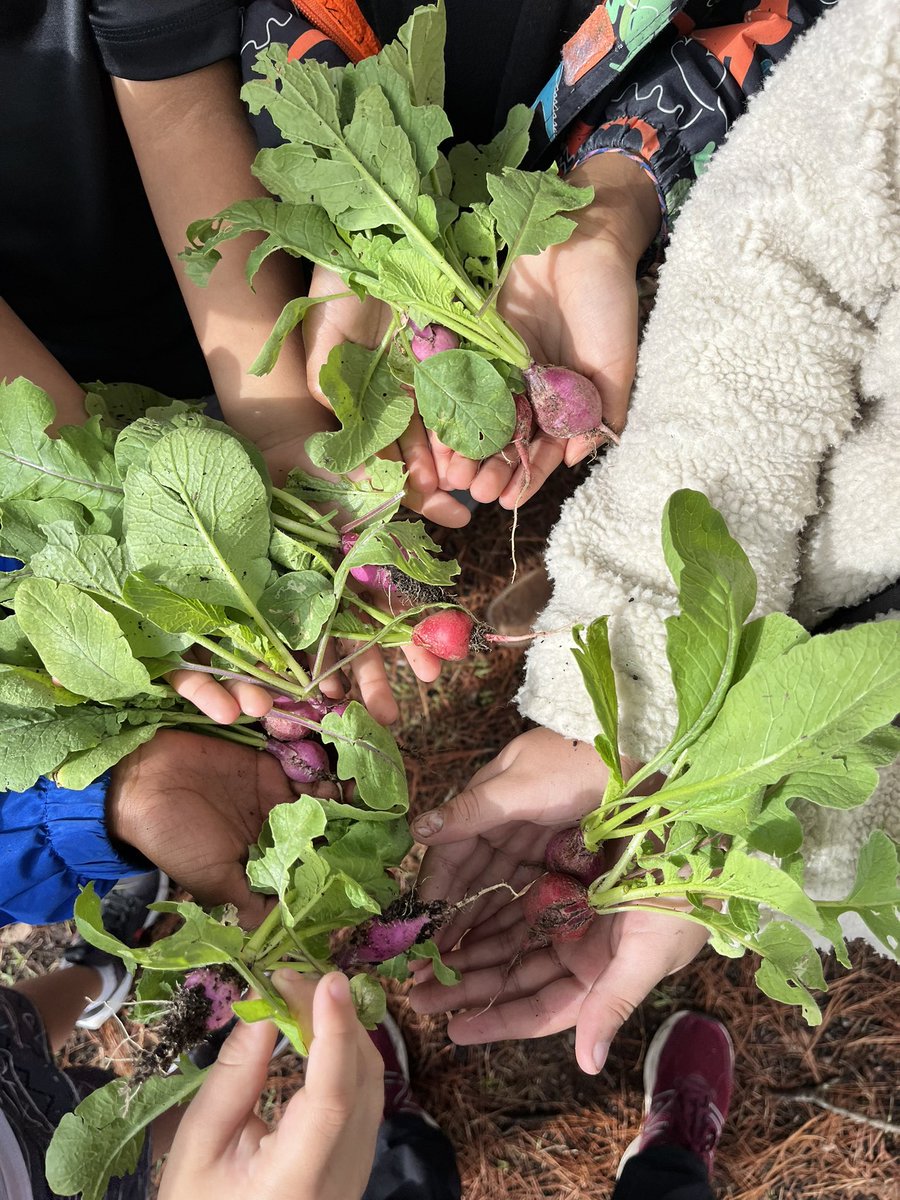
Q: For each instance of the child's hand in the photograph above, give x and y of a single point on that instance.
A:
(324, 1144)
(497, 830)
(576, 305)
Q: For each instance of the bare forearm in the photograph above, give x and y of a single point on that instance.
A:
(194, 148)
(625, 208)
(21, 353)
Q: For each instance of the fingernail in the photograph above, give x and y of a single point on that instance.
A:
(428, 824)
(601, 1050)
(338, 986)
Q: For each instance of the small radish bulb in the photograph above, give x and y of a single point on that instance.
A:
(431, 340)
(220, 991)
(556, 907)
(284, 721)
(567, 854)
(447, 634)
(304, 762)
(565, 404)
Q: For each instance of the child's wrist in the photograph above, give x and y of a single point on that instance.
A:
(625, 211)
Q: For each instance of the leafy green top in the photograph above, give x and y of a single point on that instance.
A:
(767, 715)
(362, 187)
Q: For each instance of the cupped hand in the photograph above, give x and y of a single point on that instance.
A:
(193, 805)
(324, 1144)
(576, 306)
(496, 831)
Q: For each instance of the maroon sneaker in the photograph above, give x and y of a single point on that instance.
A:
(398, 1095)
(688, 1077)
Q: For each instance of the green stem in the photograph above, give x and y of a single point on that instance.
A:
(623, 864)
(666, 911)
(261, 935)
(291, 501)
(377, 637)
(306, 531)
(270, 678)
(232, 735)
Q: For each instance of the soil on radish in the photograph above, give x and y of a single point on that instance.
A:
(185, 1025)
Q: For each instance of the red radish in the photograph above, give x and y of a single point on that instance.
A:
(565, 404)
(452, 635)
(447, 634)
(431, 340)
(567, 854)
(220, 989)
(556, 908)
(304, 762)
(400, 927)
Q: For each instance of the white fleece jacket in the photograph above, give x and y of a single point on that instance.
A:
(769, 378)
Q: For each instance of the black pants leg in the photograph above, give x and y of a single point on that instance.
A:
(413, 1161)
(664, 1173)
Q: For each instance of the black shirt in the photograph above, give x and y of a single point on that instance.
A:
(81, 262)
(499, 53)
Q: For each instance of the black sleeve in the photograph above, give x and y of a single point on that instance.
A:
(157, 39)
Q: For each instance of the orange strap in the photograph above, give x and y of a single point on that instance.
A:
(343, 23)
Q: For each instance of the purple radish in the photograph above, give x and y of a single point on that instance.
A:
(304, 762)
(567, 854)
(200, 1006)
(401, 926)
(556, 909)
(431, 340)
(220, 990)
(565, 404)
(369, 576)
(284, 721)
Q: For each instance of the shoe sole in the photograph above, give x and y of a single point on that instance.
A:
(108, 1008)
(651, 1070)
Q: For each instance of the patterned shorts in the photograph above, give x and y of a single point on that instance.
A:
(35, 1094)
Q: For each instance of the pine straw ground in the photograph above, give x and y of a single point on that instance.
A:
(526, 1123)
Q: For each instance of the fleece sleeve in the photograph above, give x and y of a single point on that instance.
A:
(772, 307)
(52, 842)
(677, 103)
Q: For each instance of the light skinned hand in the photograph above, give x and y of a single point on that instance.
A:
(324, 1144)
(497, 830)
(576, 306)
(193, 804)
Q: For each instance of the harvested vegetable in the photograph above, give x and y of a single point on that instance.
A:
(567, 854)
(556, 909)
(361, 186)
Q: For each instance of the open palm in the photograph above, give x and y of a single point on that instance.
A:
(496, 831)
(193, 805)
